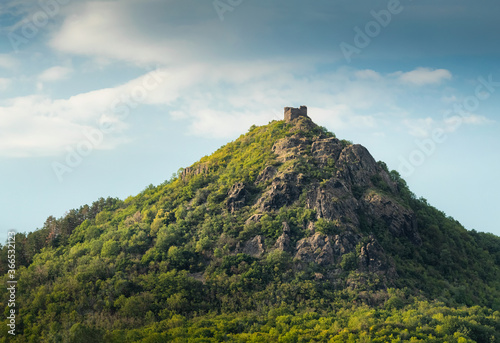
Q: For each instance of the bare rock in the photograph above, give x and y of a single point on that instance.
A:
(286, 228)
(283, 241)
(266, 174)
(324, 149)
(399, 220)
(373, 259)
(237, 196)
(356, 166)
(254, 218)
(290, 147)
(333, 200)
(284, 190)
(254, 247)
(344, 243)
(303, 124)
(316, 248)
(311, 227)
(197, 169)
(318, 277)
(387, 179)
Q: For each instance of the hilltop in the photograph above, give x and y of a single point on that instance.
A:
(287, 233)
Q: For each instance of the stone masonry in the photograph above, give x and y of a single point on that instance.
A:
(292, 113)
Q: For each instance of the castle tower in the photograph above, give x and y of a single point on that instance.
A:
(292, 113)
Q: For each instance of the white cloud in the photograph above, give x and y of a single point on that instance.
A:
(38, 125)
(55, 74)
(214, 103)
(368, 74)
(207, 92)
(475, 119)
(215, 97)
(423, 127)
(424, 76)
(255, 94)
(109, 30)
(453, 123)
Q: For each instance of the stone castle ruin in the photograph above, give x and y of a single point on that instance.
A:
(292, 113)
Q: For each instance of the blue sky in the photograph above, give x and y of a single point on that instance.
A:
(102, 98)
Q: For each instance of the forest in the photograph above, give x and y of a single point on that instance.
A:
(172, 264)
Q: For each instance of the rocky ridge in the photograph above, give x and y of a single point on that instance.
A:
(357, 194)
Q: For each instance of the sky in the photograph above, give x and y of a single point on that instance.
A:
(103, 98)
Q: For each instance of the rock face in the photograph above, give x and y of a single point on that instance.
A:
(283, 241)
(200, 168)
(399, 220)
(345, 189)
(254, 218)
(266, 174)
(289, 148)
(254, 247)
(316, 248)
(284, 190)
(324, 249)
(334, 201)
(237, 196)
(344, 243)
(329, 250)
(373, 259)
(356, 166)
(326, 149)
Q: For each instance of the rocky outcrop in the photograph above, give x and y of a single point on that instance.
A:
(316, 248)
(373, 259)
(324, 149)
(197, 169)
(254, 218)
(266, 174)
(289, 148)
(344, 243)
(284, 190)
(311, 227)
(303, 124)
(237, 197)
(329, 250)
(358, 168)
(283, 241)
(356, 165)
(358, 197)
(334, 201)
(318, 277)
(400, 221)
(254, 247)
(388, 181)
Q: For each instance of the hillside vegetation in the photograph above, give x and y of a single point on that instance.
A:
(286, 234)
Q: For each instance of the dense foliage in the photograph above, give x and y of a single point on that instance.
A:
(164, 266)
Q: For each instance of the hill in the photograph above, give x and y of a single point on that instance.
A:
(285, 234)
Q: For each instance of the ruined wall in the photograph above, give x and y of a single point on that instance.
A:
(292, 113)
